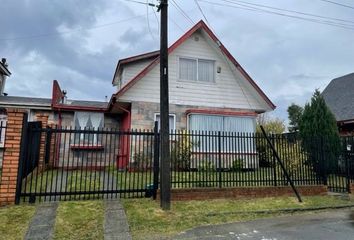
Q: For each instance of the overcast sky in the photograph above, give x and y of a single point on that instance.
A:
(79, 42)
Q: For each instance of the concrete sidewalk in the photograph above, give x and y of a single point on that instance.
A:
(329, 225)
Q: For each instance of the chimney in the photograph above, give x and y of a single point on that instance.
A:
(3, 60)
(64, 98)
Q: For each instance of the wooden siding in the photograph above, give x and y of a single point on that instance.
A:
(230, 90)
(130, 71)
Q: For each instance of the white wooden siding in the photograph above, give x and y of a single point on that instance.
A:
(230, 90)
(130, 71)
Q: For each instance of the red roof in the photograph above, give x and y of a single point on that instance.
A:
(199, 25)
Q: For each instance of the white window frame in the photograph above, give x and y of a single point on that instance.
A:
(3, 122)
(197, 60)
(170, 115)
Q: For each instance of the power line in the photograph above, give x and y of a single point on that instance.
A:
(201, 11)
(145, 3)
(148, 20)
(71, 31)
(291, 11)
(327, 22)
(339, 4)
(259, 10)
(175, 4)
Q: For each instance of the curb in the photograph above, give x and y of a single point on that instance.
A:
(283, 210)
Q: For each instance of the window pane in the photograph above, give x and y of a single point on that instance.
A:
(171, 122)
(188, 69)
(205, 70)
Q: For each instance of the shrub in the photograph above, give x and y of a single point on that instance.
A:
(181, 152)
(207, 167)
(237, 165)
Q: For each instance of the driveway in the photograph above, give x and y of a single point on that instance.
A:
(331, 225)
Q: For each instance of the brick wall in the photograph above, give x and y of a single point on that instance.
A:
(242, 192)
(11, 156)
(44, 119)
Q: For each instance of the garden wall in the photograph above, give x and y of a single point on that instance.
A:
(242, 192)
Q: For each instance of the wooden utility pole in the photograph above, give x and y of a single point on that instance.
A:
(165, 170)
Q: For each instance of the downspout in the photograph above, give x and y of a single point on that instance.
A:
(57, 148)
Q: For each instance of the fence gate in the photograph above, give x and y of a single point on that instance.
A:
(73, 164)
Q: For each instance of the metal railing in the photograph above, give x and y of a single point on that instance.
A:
(70, 163)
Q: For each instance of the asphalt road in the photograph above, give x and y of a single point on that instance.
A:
(329, 225)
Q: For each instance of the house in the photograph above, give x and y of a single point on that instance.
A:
(339, 97)
(209, 91)
(208, 88)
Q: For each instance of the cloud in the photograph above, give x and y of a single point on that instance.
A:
(288, 58)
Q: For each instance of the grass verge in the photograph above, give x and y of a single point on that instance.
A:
(148, 221)
(79, 220)
(14, 221)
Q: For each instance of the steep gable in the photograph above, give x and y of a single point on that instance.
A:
(233, 88)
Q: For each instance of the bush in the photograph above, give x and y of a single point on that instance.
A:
(181, 152)
(237, 165)
(207, 167)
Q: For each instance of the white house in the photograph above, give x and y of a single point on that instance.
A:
(208, 88)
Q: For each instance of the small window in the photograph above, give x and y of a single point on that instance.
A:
(172, 121)
(88, 121)
(200, 70)
(3, 121)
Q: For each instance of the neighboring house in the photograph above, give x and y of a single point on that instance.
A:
(208, 88)
(4, 73)
(339, 97)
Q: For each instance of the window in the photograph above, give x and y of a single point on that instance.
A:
(3, 121)
(172, 121)
(200, 70)
(88, 121)
(227, 124)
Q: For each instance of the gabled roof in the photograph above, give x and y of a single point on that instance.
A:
(199, 25)
(339, 97)
(132, 59)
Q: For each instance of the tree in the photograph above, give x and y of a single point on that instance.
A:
(294, 115)
(272, 126)
(318, 129)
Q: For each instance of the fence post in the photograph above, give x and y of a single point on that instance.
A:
(156, 160)
(347, 156)
(219, 158)
(10, 169)
(274, 162)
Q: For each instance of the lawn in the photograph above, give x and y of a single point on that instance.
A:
(79, 220)
(148, 221)
(14, 221)
(84, 219)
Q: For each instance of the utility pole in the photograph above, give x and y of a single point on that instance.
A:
(165, 170)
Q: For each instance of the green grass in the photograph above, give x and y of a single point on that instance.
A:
(148, 221)
(79, 220)
(14, 221)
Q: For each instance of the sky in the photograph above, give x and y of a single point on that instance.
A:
(79, 43)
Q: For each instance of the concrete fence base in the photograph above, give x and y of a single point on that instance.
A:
(242, 192)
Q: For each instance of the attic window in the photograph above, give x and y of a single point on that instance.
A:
(199, 70)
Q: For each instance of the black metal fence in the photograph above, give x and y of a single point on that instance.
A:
(67, 163)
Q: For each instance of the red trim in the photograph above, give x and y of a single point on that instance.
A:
(199, 25)
(86, 147)
(133, 59)
(218, 112)
(57, 97)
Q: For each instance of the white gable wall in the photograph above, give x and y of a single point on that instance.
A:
(230, 89)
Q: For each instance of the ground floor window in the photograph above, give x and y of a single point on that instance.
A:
(242, 127)
(172, 121)
(88, 121)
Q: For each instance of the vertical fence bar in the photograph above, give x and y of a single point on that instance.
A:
(156, 159)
